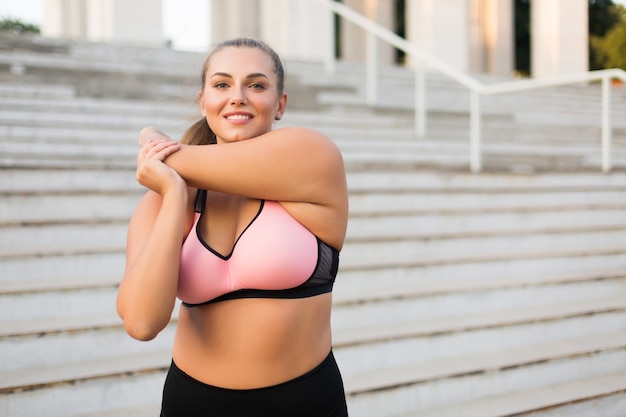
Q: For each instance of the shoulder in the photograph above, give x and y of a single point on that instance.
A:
(307, 143)
(305, 134)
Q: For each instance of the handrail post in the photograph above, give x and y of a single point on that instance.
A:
(606, 124)
(475, 87)
(420, 101)
(372, 69)
(329, 58)
(476, 164)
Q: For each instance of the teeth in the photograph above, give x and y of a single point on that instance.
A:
(239, 116)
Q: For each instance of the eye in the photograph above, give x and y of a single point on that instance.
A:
(257, 86)
(220, 84)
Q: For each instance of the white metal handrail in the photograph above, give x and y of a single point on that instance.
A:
(476, 88)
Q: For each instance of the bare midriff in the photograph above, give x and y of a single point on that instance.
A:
(253, 342)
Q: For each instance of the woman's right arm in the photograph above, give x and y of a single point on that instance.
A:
(147, 293)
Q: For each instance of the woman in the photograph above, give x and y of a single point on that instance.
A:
(246, 232)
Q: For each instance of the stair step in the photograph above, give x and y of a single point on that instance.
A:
(65, 324)
(19, 240)
(68, 181)
(37, 91)
(403, 308)
(48, 350)
(488, 362)
(417, 288)
(370, 356)
(514, 404)
(432, 384)
(15, 381)
(353, 279)
(457, 323)
(54, 306)
(489, 183)
(408, 253)
(35, 286)
(144, 411)
(68, 208)
(97, 266)
(129, 390)
(482, 224)
(98, 121)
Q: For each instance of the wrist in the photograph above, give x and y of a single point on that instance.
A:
(176, 189)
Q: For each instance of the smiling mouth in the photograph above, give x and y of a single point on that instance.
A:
(239, 117)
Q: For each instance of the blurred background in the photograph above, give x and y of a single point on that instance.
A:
(485, 147)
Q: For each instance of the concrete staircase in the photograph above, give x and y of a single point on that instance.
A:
(494, 294)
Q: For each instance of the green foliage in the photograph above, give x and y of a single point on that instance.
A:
(607, 35)
(522, 37)
(399, 10)
(602, 17)
(14, 25)
(609, 50)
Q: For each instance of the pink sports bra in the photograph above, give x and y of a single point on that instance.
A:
(274, 257)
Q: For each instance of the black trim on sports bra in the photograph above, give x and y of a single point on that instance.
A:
(286, 294)
(200, 201)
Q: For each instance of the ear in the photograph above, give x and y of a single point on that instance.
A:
(201, 103)
(282, 104)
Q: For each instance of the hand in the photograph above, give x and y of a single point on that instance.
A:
(151, 170)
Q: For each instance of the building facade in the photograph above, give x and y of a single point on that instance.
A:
(116, 21)
(474, 36)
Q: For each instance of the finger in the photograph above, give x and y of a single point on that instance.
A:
(162, 150)
(156, 145)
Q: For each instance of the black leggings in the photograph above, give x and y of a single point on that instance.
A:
(318, 393)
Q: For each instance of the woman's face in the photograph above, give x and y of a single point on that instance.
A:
(240, 98)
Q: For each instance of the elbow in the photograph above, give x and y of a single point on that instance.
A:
(142, 330)
(141, 333)
(143, 321)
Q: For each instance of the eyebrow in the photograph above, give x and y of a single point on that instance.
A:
(253, 75)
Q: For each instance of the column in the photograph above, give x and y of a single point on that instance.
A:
(354, 38)
(120, 21)
(559, 32)
(136, 21)
(64, 19)
(234, 18)
(442, 28)
(296, 29)
(492, 37)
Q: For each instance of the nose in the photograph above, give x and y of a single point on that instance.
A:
(238, 96)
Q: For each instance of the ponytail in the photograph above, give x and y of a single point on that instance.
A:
(199, 133)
